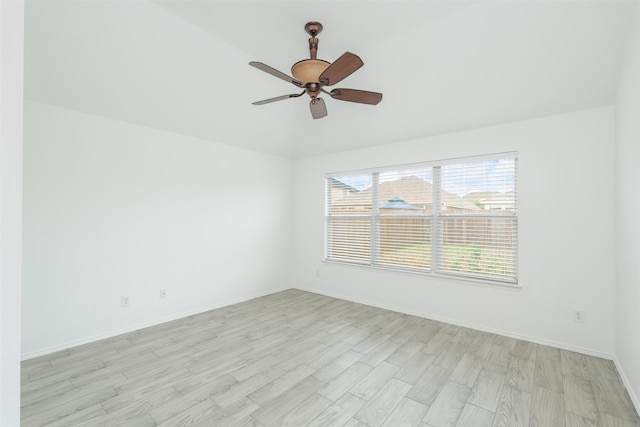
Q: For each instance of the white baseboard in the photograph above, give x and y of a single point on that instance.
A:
(87, 340)
(627, 384)
(535, 340)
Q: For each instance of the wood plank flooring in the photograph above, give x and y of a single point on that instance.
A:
(299, 359)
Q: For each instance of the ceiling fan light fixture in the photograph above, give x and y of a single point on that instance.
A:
(309, 70)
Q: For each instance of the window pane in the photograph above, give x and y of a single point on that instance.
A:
(483, 246)
(405, 198)
(405, 192)
(405, 241)
(349, 194)
(349, 218)
(484, 187)
(349, 238)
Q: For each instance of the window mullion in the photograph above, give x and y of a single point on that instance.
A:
(375, 220)
(328, 230)
(436, 220)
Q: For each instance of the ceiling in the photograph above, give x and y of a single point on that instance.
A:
(443, 66)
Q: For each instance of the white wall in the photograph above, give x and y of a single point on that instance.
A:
(11, 84)
(114, 209)
(627, 215)
(566, 234)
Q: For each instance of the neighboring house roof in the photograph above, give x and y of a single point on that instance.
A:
(399, 204)
(484, 199)
(411, 190)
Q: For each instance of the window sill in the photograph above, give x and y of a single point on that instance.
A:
(430, 274)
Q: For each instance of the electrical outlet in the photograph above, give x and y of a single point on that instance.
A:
(124, 302)
(578, 316)
(163, 293)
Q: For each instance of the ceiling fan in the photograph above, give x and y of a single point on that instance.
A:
(313, 74)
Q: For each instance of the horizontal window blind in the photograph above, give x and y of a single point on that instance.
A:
(403, 218)
(349, 238)
(450, 218)
(479, 239)
(349, 219)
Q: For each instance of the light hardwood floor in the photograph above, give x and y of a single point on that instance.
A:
(299, 359)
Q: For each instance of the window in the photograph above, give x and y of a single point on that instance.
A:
(447, 218)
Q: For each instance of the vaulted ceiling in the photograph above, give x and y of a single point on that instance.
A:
(443, 66)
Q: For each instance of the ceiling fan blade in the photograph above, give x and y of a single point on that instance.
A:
(277, 98)
(355, 95)
(340, 69)
(318, 108)
(274, 72)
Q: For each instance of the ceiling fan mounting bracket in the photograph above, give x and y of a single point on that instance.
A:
(313, 28)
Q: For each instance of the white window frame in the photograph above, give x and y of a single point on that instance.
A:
(437, 218)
